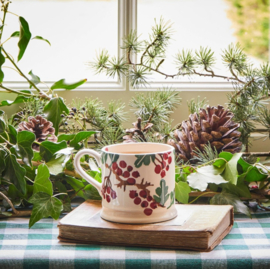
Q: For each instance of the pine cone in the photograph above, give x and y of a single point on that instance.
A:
(40, 127)
(214, 126)
(138, 130)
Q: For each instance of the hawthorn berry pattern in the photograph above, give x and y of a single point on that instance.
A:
(128, 176)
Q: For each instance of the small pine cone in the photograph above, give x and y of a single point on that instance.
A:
(41, 127)
(211, 125)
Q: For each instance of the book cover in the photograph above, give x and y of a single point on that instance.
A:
(197, 227)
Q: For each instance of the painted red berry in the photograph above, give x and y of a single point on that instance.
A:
(149, 198)
(113, 194)
(144, 204)
(123, 164)
(165, 156)
(114, 166)
(106, 149)
(108, 189)
(133, 194)
(157, 169)
(153, 205)
(129, 168)
(170, 159)
(126, 174)
(137, 200)
(163, 173)
(131, 181)
(143, 193)
(119, 172)
(167, 168)
(108, 198)
(148, 211)
(135, 174)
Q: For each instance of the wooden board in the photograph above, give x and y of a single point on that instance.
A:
(197, 227)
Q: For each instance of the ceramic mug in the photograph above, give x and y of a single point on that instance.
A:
(138, 181)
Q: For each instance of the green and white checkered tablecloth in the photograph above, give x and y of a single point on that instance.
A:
(247, 246)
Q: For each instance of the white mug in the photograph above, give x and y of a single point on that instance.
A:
(138, 181)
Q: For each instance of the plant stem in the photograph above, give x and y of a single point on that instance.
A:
(22, 74)
(205, 193)
(14, 91)
(4, 18)
(9, 202)
(5, 140)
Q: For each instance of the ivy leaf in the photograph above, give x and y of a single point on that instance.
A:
(225, 155)
(205, 175)
(91, 192)
(62, 84)
(230, 173)
(79, 137)
(12, 133)
(55, 165)
(2, 161)
(44, 206)
(2, 126)
(41, 38)
(24, 38)
(37, 157)
(15, 34)
(42, 181)
(65, 137)
(34, 78)
(54, 109)
(225, 198)
(48, 149)
(18, 99)
(241, 189)
(182, 191)
(14, 173)
(25, 140)
(2, 61)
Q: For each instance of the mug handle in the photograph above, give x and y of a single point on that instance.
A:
(80, 170)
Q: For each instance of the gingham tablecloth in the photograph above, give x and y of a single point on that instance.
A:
(247, 246)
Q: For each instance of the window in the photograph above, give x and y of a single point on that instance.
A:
(79, 29)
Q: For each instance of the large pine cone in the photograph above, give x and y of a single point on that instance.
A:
(214, 126)
(41, 127)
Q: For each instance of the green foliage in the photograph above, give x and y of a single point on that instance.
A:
(62, 84)
(24, 38)
(194, 106)
(25, 140)
(207, 155)
(2, 61)
(182, 190)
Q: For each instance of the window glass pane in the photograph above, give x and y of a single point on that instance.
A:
(208, 23)
(76, 30)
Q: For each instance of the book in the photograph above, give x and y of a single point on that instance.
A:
(197, 227)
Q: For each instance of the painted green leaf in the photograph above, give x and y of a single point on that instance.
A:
(25, 140)
(18, 99)
(54, 109)
(113, 157)
(65, 137)
(44, 206)
(205, 175)
(41, 38)
(230, 173)
(12, 133)
(24, 38)
(162, 193)
(55, 165)
(104, 157)
(34, 78)
(172, 199)
(42, 181)
(182, 191)
(142, 159)
(2, 61)
(15, 34)
(62, 84)
(225, 198)
(48, 149)
(80, 137)
(14, 173)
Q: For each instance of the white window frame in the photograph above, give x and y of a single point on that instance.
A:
(127, 20)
